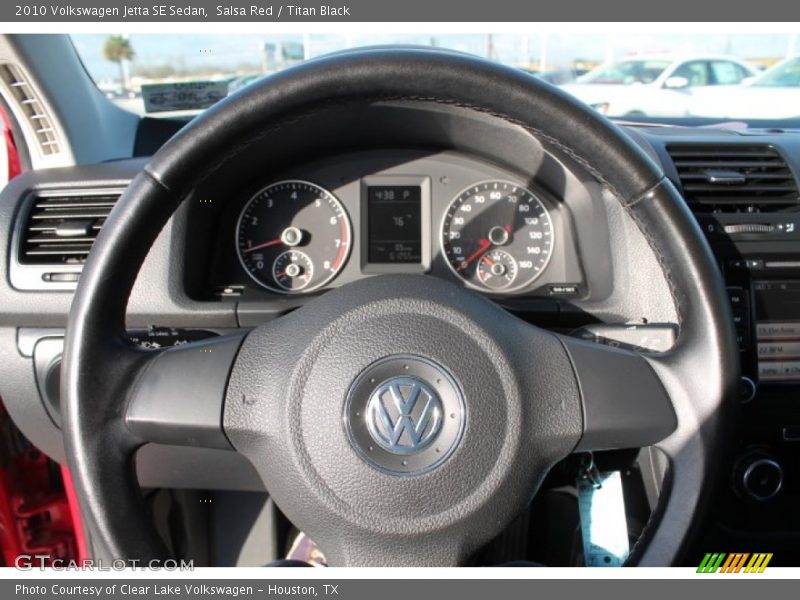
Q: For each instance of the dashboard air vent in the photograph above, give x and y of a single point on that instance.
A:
(32, 107)
(735, 178)
(61, 227)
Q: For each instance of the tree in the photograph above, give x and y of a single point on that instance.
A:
(118, 49)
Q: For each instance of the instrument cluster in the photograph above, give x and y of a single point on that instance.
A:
(498, 235)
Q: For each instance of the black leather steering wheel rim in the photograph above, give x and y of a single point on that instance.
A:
(100, 366)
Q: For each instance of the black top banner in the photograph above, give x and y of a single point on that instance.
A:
(475, 11)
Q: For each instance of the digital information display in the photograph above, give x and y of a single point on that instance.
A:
(394, 224)
(778, 330)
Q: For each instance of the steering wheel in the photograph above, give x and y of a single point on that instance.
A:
(397, 420)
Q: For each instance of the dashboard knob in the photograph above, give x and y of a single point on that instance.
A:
(758, 476)
(747, 390)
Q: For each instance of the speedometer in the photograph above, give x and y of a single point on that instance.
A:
(293, 236)
(497, 236)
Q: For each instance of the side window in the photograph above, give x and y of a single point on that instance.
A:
(695, 72)
(727, 73)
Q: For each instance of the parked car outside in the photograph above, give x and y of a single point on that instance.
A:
(656, 86)
(774, 94)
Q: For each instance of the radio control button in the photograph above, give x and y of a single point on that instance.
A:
(739, 317)
(758, 476)
(738, 297)
(747, 390)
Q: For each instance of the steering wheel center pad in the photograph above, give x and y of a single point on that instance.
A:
(522, 413)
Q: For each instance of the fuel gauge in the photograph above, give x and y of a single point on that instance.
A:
(497, 269)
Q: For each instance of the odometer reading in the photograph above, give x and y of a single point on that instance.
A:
(293, 236)
(497, 236)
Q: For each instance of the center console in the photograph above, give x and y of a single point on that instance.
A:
(759, 255)
(743, 186)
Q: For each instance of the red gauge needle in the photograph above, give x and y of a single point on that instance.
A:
(264, 245)
(483, 246)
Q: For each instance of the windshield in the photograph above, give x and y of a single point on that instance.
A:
(784, 75)
(627, 72)
(669, 75)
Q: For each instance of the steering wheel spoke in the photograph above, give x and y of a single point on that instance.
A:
(179, 394)
(625, 404)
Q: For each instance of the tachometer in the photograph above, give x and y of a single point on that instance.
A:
(293, 236)
(497, 236)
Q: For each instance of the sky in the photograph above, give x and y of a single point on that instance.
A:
(234, 53)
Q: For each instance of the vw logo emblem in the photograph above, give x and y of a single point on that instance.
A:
(404, 415)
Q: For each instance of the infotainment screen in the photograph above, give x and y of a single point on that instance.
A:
(777, 306)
